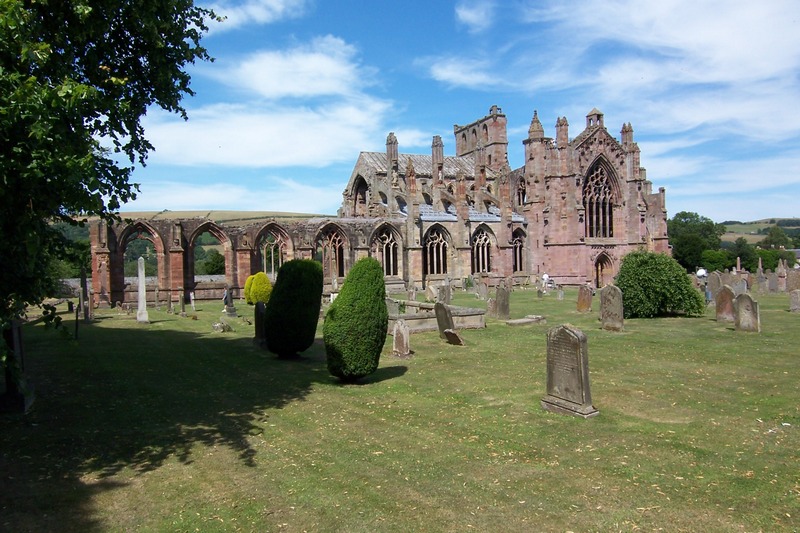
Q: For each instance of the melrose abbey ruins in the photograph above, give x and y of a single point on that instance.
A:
(572, 210)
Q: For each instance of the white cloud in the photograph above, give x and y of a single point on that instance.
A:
(460, 72)
(254, 12)
(478, 16)
(326, 66)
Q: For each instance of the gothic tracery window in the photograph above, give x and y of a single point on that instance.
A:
(331, 246)
(386, 247)
(435, 252)
(481, 252)
(272, 247)
(517, 245)
(598, 203)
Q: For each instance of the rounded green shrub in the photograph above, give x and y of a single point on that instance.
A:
(356, 322)
(260, 288)
(656, 285)
(292, 313)
(247, 285)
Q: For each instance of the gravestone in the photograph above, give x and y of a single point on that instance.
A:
(792, 280)
(714, 284)
(539, 293)
(724, 304)
(584, 299)
(444, 318)
(481, 290)
(748, 317)
(191, 300)
(392, 307)
(431, 294)
(260, 338)
(772, 282)
(611, 311)
(568, 373)
(739, 287)
(794, 301)
(19, 394)
(445, 293)
(502, 301)
(183, 301)
(491, 308)
(560, 295)
(400, 338)
(452, 337)
(141, 312)
(230, 309)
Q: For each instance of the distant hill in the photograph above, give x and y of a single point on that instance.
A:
(753, 231)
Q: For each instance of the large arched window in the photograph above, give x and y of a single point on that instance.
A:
(518, 247)
(272, 247)
(598, 203)
(330, 250)
(385, 246)
(481, 252)
(435, 252)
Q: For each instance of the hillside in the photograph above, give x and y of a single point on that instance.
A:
(752, 231)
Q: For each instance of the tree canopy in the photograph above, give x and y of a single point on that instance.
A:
(690, 234)
(76, 78)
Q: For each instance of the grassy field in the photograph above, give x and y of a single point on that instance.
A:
(170, 427)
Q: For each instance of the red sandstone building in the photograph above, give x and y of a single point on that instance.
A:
(573, 210)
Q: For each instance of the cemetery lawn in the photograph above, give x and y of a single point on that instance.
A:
(171, 427)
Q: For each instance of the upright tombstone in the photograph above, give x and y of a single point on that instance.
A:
(141, 312)
(794, 301)
(481, 290)
(568, 373)
(560, 294)
(444, 293)
(724, 304)
(748, 317)
(191, 300)
(584, 299)
(444, 318)
(400, 339)
(772, 282)
(739, 286)
(182, 297)
(431, 293)
(611, 310)
(714, 284)
(230, 309)
(502, 301)
(491, 308)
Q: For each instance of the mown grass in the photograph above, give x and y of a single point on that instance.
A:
(170, 427)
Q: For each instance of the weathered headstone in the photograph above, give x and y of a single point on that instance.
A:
(260, 324)
(794, 301)
(141, 312)
(772, 282)
(714, 284)
(611, 310)
(491, 308)
(431, 293)
(792, 279)
(502, 301)
(584, 299)
(182, 297)
(452, 337)
(560, 295)
(724, 304)
(230, 309)
(392, 307)
(539, 293)
(568, 389)
(444, 318)
(191, 300)
(444, 294)
(400, 339)
(481, 290)
(748, 317)
(739, 286)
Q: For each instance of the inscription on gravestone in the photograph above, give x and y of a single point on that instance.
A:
(748, 317)
(400, 338)
(568, 373)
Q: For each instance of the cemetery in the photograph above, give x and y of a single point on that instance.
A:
(573, 421)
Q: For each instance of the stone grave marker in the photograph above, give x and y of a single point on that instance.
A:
(191, 300)
(260, 338)
(739, 287)
(502, 301)
(792, 280)
(772, 282)
(392, 307)
(748, 317)
(794, 301)
(611, 311)
(431, 294)
(400, 339)
(491, 308)
(141, 312)
(230, 309)
(452, 337)
(444, 317)
(568, 373)
(714, 284)
(584, 299)
(724, 304)
(481, 290)
(539, 293)
(444, 294)
(182, 297)
(560, 294)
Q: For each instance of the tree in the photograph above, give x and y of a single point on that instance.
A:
(776, 238)
(292, 313)
(260, 288)
(214, 263)
(716, 260)
(656, 285)
(746, 253)
(690, 234)
(356, 322)
(76, 78)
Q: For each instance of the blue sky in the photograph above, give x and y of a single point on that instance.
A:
(300, 87)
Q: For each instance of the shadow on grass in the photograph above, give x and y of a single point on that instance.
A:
(125, 401)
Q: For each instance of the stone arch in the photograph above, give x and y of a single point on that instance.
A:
(138, 229)
(436, 247)
(482, 244)
(603, 270)
(518, 250)
(223, 238)
(601, 195)
(386, 245)
(273, 247)
(330, 248)
(360, 197)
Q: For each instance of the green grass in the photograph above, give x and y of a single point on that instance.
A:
(170, 427)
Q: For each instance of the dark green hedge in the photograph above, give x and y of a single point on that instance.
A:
(356, 322)
(656, 285)
(292, 312)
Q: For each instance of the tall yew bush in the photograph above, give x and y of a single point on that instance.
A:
(292, 313)
(356, 322)
(656, 285)
(260, 288)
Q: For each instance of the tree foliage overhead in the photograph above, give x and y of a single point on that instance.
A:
(690, 234)
(656, 285)
(76, 78)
